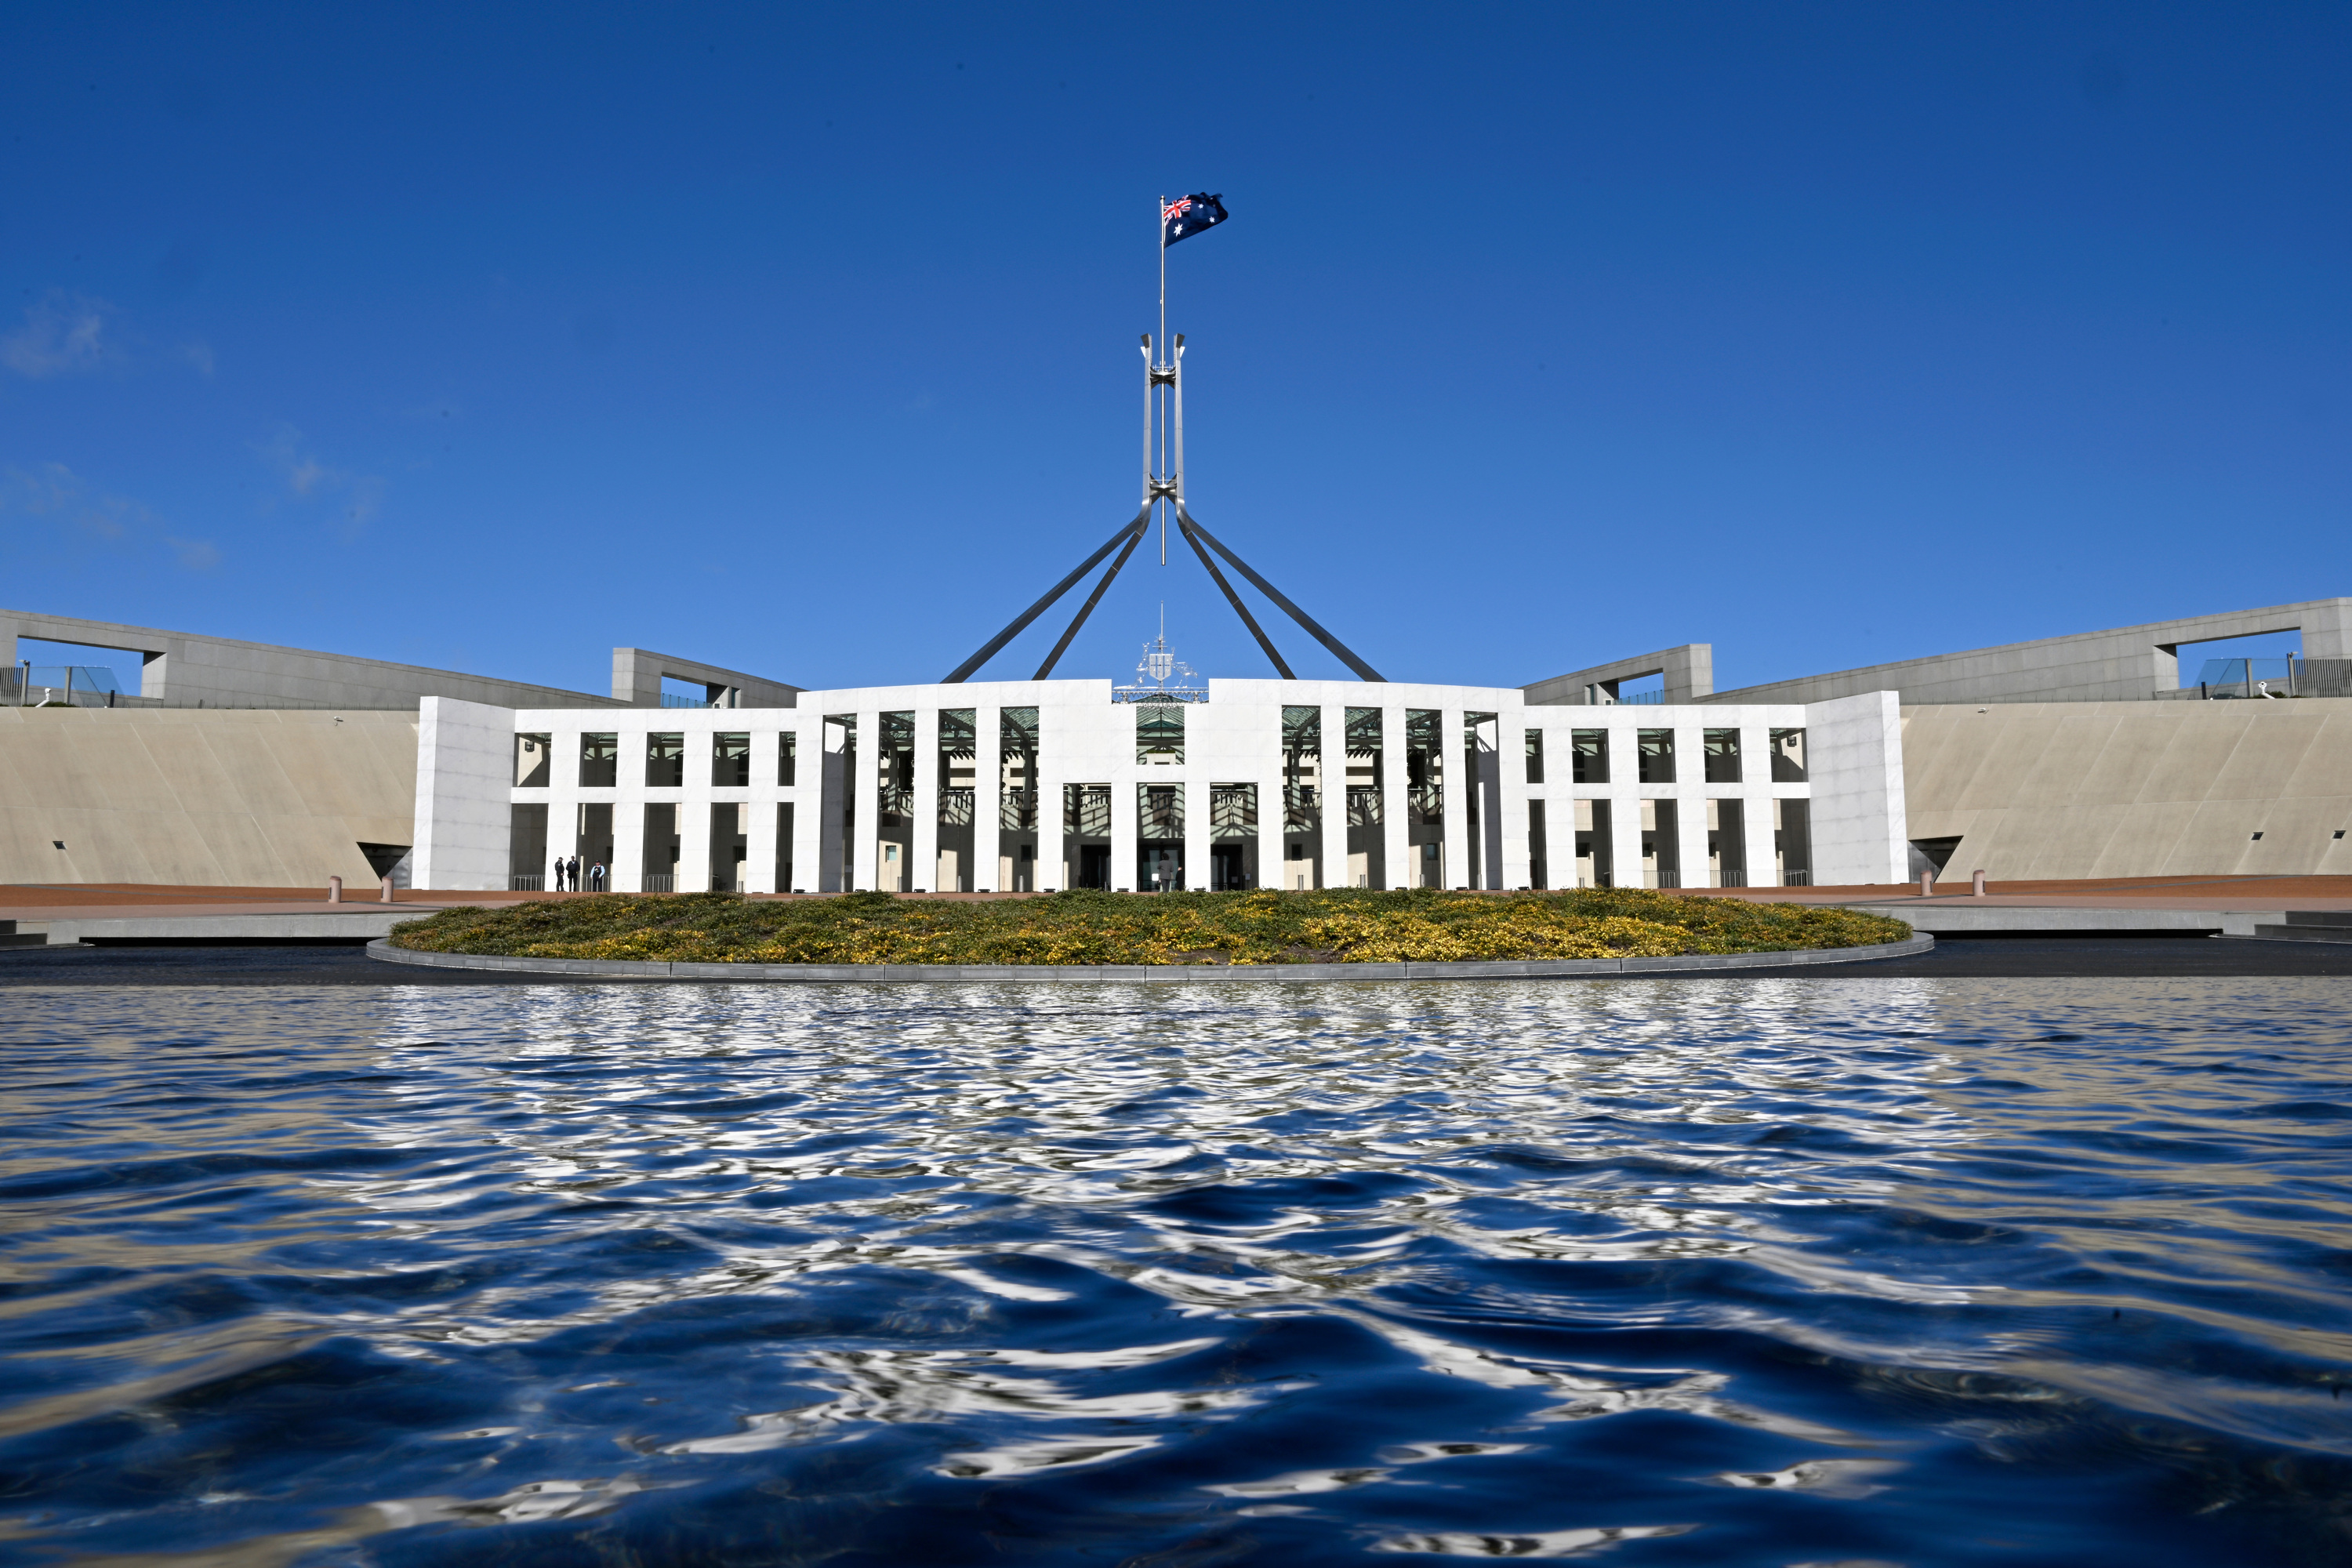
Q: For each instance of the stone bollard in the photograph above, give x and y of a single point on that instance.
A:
(1927, 884)
(1976, 884)
(387, 888)
(334, 889)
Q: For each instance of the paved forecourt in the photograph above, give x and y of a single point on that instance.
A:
(1146, 973)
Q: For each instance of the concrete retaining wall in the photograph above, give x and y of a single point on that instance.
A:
(1152, 974)
(202, 798)
(2134, 789)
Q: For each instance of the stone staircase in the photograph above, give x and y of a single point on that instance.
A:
(2310, 925)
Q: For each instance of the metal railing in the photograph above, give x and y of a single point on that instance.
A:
(2227, 678)
(661, 884)
(536, 882)
(1796, 879)
(59, 686)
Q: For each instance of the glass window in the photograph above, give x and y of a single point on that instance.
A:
(1534, 760)
(1016, 767)
(840, 738)
(959, 746)
(1364, 781)
(1160, 811)
(1424, 766)
(894, 771)
(665, 760)
(1233, 811)
(533, 754)
(1588, 756)
(1302, 767)
(1723, 758)
(1656, 756)
(1787, 756)
(788, 759)
(730, 760)
(600, 761)
(959, 771)
(1086, 810)
(1159, 734)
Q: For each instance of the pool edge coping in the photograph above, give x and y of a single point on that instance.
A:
(382, 950)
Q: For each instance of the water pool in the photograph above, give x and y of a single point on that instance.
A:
(1797, 1271)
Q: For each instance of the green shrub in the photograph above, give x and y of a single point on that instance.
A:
(1338, 925)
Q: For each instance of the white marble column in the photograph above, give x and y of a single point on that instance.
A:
(1403, 868)
(924, 871)
(807, 795)
(1334, 797)
(831, 789)
(628, 835)
(1053, 780)
(987, 797)
(861, 787)
(1452, 748)
(759, 817)
(1123, 785)
(1270, 839)
(1513, 863)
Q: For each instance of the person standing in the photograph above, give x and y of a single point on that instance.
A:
(555, 883)
(575, 873)
(596, 878)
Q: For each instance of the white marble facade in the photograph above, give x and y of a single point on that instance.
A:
(1851, 789)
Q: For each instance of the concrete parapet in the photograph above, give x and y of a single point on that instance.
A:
(2121, 664)
(638, 676)
(181, 669)
(1961, 919)
(1144, 974)
(1689, 672)
(359, 924)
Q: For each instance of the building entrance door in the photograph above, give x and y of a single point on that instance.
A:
(1094, 866)
(1228, 867)
(1158, 868)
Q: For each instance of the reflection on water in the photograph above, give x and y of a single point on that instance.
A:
(1814, 1272)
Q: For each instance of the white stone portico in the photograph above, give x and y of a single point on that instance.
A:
(1443, 785)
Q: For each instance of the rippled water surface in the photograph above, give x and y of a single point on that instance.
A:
(1840, 1271)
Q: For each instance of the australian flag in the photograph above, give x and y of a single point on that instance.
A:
(1188, 216)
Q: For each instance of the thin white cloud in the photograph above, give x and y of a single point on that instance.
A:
(51, 501)
(199, 354)
(355, 499)
(62, 334)
(196, 554)
(366, 500)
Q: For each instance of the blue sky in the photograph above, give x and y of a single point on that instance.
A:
(803, 340)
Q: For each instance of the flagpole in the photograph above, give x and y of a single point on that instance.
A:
(1162, 345)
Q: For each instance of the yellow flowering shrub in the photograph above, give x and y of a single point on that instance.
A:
(1265, 927)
